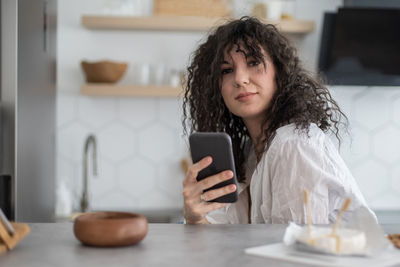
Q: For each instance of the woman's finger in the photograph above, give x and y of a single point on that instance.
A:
(201, 209)
(213, 206)
(215, 179)
(197, 167)
(216, 193)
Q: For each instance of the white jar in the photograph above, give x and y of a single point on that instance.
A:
(63, 201)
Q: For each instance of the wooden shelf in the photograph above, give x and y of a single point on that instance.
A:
(103, 89)
(181, 23)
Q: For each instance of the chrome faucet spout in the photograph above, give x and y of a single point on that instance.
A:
(90, 141)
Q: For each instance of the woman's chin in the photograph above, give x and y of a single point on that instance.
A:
(250, 115)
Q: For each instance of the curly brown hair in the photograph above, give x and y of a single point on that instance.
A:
(299, 98)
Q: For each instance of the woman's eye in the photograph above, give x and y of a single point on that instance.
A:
(254, 63)
(226, 71)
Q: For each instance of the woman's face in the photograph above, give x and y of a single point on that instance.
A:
(246, 86)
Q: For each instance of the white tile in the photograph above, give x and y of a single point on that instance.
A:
(170, 178)
(386, 144)
(65, 171)
(395, 179)
(69, 78)
(241, 7)
(372, 179)
(137, 177)
(343, 95)
(170, 112)
(104, 181)
(357, 145)
(66, 108)
(137, 112)
(372, 108)
(183, 144)
(95, 111)
(396, 110)
(115, 200)
(159, 200)
(116, 142)
(157, 142)
(70, 140)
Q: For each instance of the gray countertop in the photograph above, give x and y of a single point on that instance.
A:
(53, 244)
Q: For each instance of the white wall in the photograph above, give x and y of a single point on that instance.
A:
(140, 139)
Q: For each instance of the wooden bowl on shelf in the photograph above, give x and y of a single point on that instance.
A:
(110, 229)
(103, 71)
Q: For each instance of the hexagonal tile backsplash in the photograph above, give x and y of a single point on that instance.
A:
(140, 146)
(139, 150)
(373, 154)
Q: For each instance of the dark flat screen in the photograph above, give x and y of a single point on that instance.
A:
(364, 47)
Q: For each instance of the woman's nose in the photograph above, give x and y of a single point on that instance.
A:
(241, 76)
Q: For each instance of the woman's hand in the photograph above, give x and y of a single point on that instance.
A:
(196, 206)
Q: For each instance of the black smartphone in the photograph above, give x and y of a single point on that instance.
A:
(219, 147)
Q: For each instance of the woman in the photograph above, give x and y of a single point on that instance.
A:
(246, 80)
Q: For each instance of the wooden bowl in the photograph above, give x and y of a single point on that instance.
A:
(110, 229)
(103, 71)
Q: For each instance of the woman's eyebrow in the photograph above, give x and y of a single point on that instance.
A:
(225, 62)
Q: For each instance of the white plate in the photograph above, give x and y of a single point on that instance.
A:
(280, 251)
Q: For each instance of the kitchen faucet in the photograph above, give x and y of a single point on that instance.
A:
(85, 196)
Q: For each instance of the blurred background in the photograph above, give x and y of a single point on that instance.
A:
(133, 115)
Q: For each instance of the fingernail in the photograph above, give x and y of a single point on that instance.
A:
(228, 174)
(232, 187)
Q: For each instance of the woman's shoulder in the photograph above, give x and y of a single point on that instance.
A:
(290, 133)
(291, 142)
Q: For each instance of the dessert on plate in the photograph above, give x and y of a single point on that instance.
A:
(344, 242)
(341, 241)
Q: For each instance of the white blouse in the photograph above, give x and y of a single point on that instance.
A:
(296, 160)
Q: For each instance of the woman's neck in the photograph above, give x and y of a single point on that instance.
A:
(256, 134)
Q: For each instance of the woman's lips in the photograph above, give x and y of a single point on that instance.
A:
(243, 97)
